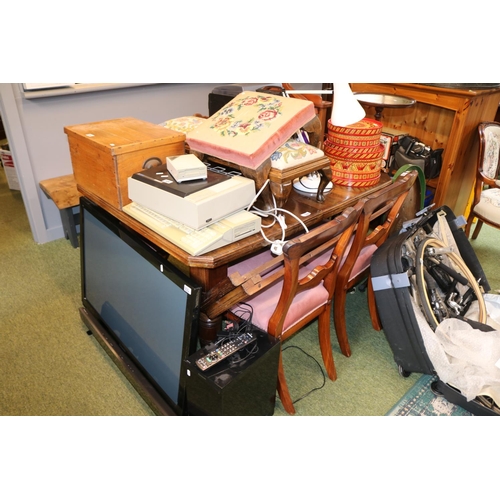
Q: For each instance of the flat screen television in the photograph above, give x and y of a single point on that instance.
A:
(141, 309)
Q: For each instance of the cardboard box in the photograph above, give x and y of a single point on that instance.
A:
(390, 138)
(9, 169)
(105, 154)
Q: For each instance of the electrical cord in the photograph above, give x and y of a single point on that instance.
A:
(237, 358)
(273, 213)
(320, 369)
(249, 206)
(245, 313)
(277, 214)
(231, 331)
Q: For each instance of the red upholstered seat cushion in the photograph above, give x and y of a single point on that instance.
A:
(264, 303)
(363, 261)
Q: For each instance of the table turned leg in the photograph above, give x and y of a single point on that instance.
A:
(208, 329)
(208, 278)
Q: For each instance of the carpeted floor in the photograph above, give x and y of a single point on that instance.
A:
(50, 366)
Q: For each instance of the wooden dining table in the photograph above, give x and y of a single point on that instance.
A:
(211, 268)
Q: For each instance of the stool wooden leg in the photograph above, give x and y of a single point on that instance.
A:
(281, 192)
(69, 226)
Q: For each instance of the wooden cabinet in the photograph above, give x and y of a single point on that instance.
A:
(442, 118)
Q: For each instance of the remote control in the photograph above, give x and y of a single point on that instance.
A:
(225, 350)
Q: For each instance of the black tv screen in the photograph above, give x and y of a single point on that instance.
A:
(140, 299)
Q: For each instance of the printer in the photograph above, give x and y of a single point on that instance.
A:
(196, 203)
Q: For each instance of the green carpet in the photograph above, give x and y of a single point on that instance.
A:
(368, 382)
(50, 366)
(48, 363)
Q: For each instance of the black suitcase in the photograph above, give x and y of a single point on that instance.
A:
(393, 279)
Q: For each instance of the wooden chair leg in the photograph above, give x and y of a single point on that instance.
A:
(372, 307)
(283, 392)
(339, 302)
(470, 220)
(479, 225)
(325, 343)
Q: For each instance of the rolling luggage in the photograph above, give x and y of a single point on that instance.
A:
(405, 279)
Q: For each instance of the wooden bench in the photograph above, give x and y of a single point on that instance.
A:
(63, 192)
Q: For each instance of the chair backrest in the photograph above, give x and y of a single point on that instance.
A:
(322, 108)
(488, 165)
(381, 208)
(262, 271)
(489, 149)
(486, 202)
(312, 260)
(314, 98)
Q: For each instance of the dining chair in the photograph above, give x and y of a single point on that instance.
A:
(322, 108)
(287, 292)
(486, 203)
(378, 218)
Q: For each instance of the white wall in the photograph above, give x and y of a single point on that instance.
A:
(35, 131)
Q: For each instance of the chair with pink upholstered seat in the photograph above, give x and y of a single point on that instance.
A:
(381, 208)
(287, 292)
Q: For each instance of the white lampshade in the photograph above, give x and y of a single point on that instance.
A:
(346, 108)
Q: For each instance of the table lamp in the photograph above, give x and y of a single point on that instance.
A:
(346, 110)
(353, 142)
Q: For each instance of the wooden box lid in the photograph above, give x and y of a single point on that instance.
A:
(123, 135)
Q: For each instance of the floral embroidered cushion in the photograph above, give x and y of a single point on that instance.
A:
(294, 153)
(183, 124)
(492, 196)
(250, 128)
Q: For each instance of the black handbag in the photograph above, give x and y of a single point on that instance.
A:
(412, 151)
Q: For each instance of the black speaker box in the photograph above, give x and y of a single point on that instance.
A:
(216, 102)
(220, 96)
(240, 386)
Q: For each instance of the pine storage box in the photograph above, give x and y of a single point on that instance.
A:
(105, 154)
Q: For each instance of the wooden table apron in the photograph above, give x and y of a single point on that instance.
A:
(211, 268)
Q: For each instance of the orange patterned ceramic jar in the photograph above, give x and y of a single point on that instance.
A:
(355, 153)
(354, 143)
(365, 133)
(364, 128)
(339, 152)
(356, 173)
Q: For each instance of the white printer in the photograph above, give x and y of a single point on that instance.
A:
(196, 203)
